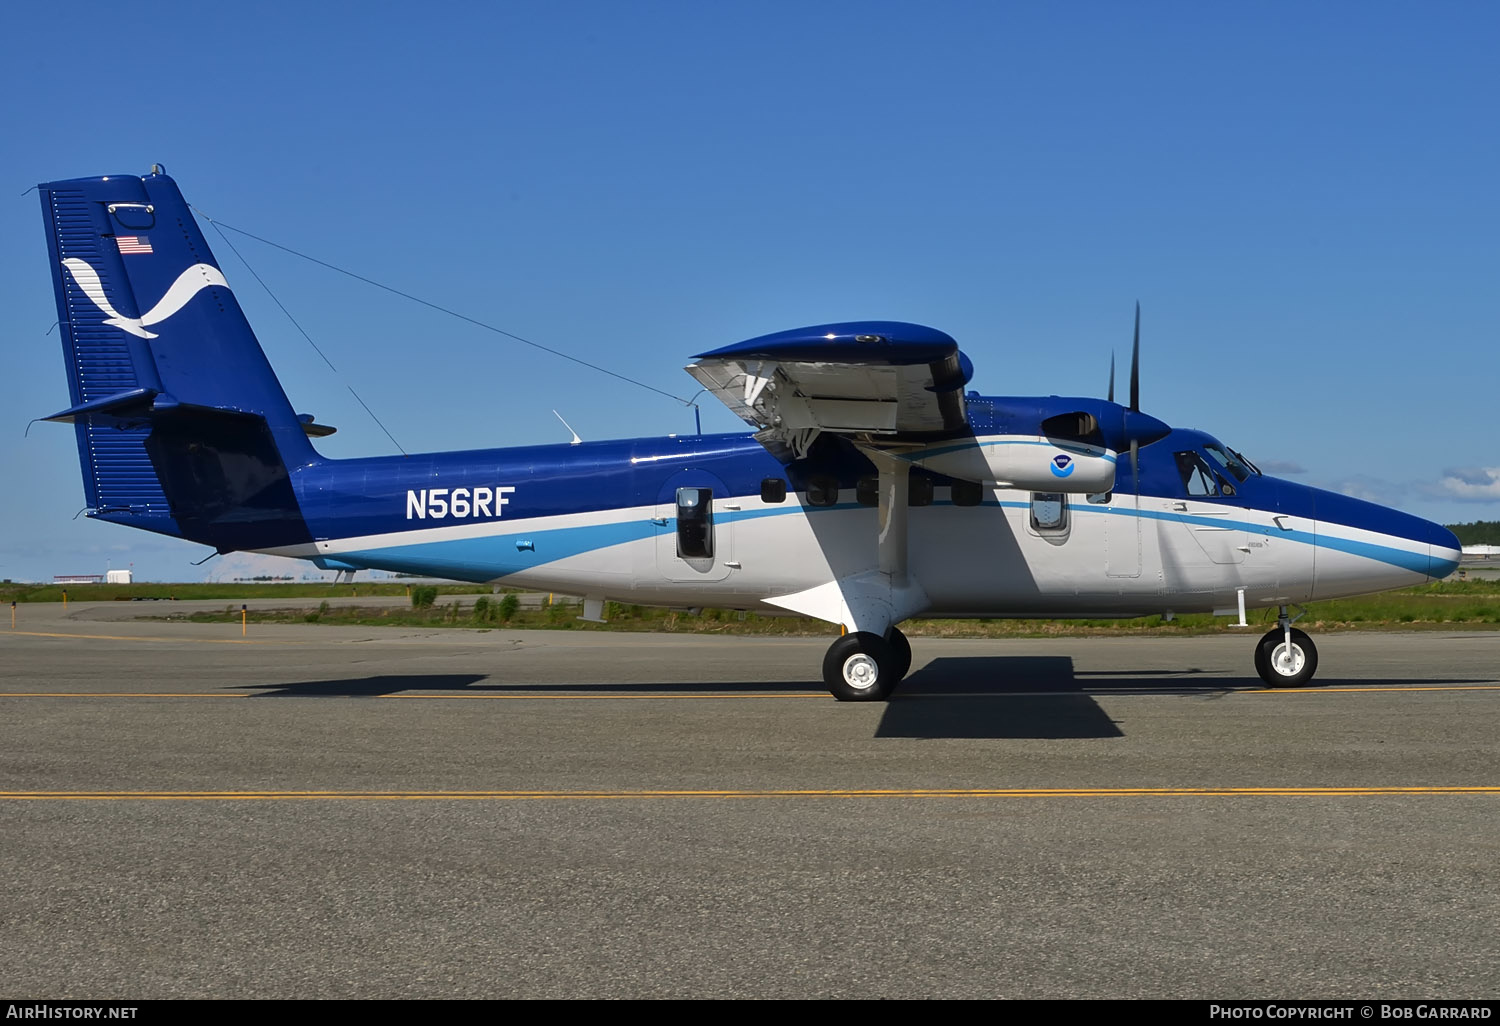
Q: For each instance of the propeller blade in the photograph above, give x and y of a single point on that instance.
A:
(1135, 363)
(1111, 377)
(1135, 469)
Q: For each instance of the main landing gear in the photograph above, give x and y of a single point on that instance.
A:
(1286, 657)
(864, 667)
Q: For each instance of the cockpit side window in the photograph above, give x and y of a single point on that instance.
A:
(1197, 479)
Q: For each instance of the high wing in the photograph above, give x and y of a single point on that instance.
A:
(888, 382)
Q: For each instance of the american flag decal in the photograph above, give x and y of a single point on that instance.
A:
(133, 243)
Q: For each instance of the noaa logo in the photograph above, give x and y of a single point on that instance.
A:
(1062, 466)
(187, 285)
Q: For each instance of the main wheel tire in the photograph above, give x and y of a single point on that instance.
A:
(1281, 668)
(900, 655)
(859, 667)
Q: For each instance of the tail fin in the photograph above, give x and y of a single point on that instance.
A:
(182, 426)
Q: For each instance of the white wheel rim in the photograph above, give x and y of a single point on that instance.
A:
(1288, 661)
(861, 671)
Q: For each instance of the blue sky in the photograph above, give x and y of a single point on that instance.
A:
(1301, 196)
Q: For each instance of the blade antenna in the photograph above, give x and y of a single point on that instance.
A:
(576, 440)
(1111, 397)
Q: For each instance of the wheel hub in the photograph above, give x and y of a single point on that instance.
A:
(1287, 660)
(861, 671)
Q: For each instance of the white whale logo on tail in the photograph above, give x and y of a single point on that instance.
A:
(199, 276)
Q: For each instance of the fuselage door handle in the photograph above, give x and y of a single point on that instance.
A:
(1279, 523)
(1180, 507)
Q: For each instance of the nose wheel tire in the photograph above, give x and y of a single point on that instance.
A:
(1283, 667)
(860, 667)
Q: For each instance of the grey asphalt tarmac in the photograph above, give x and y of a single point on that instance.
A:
(343, 812)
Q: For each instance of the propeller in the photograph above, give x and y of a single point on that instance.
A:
(1135, 402)
(1139, 428)
(1135, 363)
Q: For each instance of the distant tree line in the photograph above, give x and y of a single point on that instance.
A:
(1480, 532)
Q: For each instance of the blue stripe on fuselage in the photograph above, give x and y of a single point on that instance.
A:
(490, 556)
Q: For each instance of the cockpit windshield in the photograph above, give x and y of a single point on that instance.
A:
(1230, 461)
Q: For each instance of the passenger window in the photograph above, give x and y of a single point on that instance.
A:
(1197, 479)
(1049, 511)
(695, 522)
(967, 493)
(919, 491)
(822, 491)
(773, 489)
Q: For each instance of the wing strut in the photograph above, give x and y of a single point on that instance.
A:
(877, 599)
(894, 486)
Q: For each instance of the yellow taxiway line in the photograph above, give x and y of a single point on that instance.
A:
(1082, 792)
(173, 641)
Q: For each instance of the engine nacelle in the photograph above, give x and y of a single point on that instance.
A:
(1033, 463)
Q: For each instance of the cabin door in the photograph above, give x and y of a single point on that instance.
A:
(694, 528)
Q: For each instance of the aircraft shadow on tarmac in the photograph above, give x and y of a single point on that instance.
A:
(367, 687)
(1041, 697)
(480, 683)
(1045, 697)
(989, 697)
(998, 697)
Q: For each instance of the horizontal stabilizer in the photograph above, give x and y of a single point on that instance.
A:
(131, 401)
(312, 429)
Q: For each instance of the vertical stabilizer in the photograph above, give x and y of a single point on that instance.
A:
(182, 426)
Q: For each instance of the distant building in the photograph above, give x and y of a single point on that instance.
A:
(1475, 552)
(77, 578)
(118, 577)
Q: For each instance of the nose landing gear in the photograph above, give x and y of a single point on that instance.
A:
(1286, 657)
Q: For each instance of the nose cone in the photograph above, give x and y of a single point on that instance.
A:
(1355, 526)
(1443, 552)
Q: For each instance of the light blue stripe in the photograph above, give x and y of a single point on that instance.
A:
(1417, 562)
(486, 558)
(927, 453)
(492, 556)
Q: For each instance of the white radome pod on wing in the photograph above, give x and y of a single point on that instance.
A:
(1026, 462)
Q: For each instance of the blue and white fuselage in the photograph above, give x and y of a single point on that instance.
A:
(873, 488)
(1280, 541)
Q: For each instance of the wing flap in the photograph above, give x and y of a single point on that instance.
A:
(892, 381)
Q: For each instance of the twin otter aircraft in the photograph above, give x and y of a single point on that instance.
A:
(874, 487)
